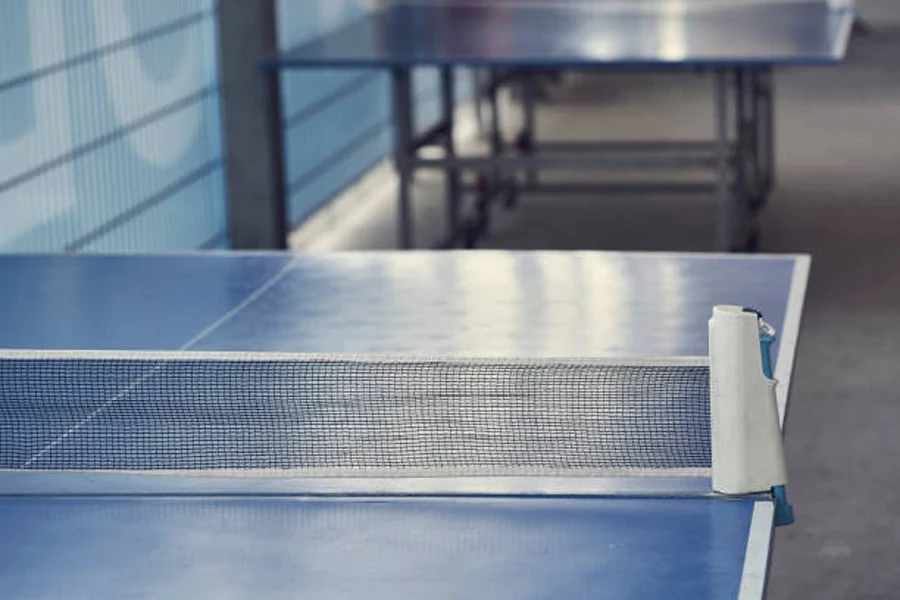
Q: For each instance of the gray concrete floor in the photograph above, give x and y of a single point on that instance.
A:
(838, 198)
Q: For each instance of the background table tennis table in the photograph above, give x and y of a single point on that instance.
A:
(739, 42)
(113, 535)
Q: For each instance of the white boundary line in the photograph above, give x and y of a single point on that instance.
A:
(790, 333)
(846, 27)
(756, 555)
(632, 6)
(299, 256)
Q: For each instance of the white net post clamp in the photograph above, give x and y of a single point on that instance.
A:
(747, 442)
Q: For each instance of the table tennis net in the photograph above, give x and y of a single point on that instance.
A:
(330, 416)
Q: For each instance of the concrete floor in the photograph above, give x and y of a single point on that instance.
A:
(838, 198)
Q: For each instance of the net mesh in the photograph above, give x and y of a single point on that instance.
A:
(338, 417)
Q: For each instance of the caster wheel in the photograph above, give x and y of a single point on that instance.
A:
(758, 202)
(524, 143)
(753, 241)
(750, 243)
(483, 208)
(472, 234)
(482, 185)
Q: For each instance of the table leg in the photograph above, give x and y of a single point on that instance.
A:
(495, 134)
(528, 140)
(478, 86)
(403, 130)
(452, 175)
(754, 142)
(725, 199)
(744, 237)
(495, 180)
(769, 128)
(764, 146)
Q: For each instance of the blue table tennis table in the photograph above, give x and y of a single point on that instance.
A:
(740, 43)
(115, 533)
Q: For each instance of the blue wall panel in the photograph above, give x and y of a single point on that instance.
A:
(110, 127)
(109, 118)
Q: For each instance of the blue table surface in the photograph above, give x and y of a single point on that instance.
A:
(386, 548)
(274, 545)
(579, 35)
(485, 304)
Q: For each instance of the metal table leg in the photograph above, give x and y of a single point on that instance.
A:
(769, 127)
(478, 85)
(528, 139)
(753, 142)
(725, 199)
(452, 175)
(494, 180)
(760, 138)
(745, 237)
(403, 152)
(755, 184)
(495, 134)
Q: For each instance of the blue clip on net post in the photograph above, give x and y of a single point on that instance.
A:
(784, 512)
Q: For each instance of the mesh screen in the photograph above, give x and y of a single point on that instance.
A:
(351, 416)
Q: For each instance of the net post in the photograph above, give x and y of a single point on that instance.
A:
(747, 444)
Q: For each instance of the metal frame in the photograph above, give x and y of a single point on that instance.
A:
(741, 157)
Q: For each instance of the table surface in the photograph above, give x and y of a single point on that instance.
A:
(573, 35)
(164, 536)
